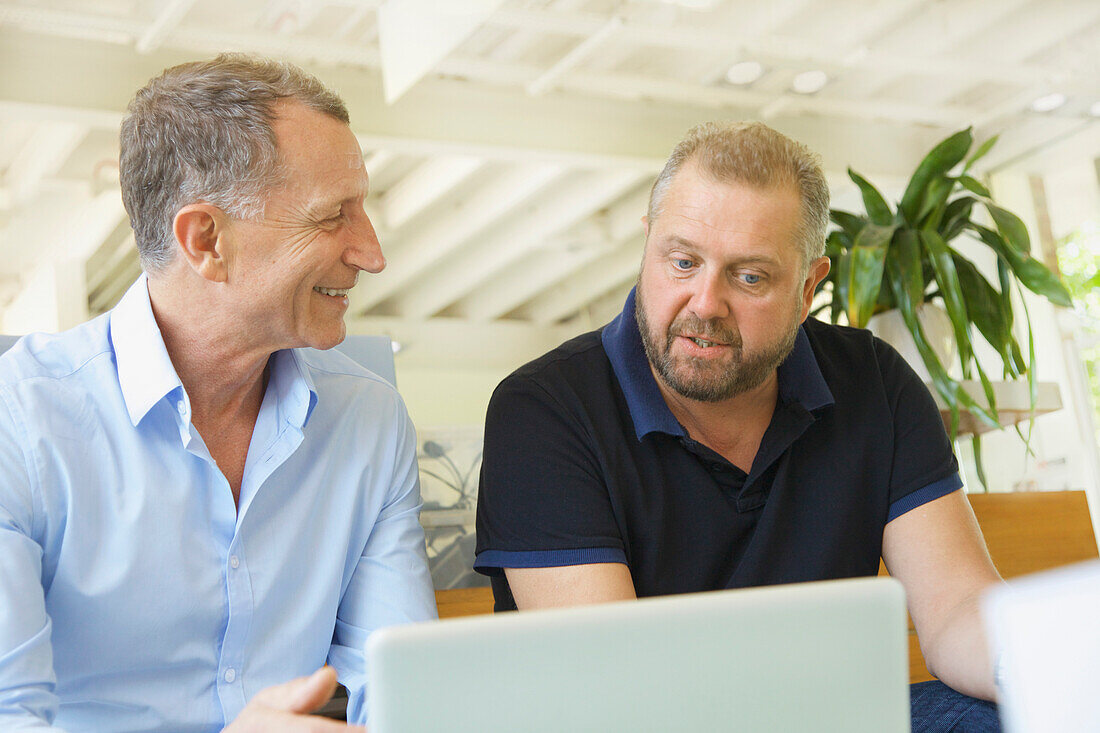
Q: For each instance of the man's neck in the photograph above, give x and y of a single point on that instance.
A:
(733, 428)
(223, 378)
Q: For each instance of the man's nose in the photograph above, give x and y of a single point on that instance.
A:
(363, 250)
(710, 299)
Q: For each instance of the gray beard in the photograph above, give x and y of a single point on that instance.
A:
(703, 380)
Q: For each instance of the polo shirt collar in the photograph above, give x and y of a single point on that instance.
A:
(146, 374)
(800, 378)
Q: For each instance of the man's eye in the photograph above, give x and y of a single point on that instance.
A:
(681, 264)
(750, 279)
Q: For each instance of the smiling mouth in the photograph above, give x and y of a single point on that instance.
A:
(332, 292)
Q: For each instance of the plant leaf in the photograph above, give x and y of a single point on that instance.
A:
(840, 286)
(956, 216)
(973, 185)
(1010, 226)
(941, 159)
(980, 152)
(935, 202)
(1032, 384)
(983, 305)
(905, 255)
(865, 272)
(954, 300)
(850, 223)
(976, 446)
(877, 209)
(950, 390)
(1031, 272)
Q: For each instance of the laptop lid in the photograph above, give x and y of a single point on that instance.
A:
(825, 656)
(1045, 627)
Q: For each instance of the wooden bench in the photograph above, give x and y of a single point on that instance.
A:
(1025, 533)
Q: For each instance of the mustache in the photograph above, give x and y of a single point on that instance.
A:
(711, 330)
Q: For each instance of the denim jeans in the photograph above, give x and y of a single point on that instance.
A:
(936, 708)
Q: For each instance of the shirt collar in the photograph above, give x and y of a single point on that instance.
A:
(294, 390)
(145, 371)
(800, 378)
(146, 374)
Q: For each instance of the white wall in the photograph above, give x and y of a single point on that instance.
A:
(443, 396)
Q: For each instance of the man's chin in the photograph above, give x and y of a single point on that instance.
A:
(327, 340)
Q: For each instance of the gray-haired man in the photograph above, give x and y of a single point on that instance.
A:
(192, 510)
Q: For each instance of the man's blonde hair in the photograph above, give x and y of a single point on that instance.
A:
(754, 154)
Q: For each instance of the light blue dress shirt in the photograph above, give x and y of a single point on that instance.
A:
(134, 596)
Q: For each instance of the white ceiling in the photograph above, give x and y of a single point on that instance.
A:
(511, 168)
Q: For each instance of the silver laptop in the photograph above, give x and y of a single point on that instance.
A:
(1046, 627)
(827, 656)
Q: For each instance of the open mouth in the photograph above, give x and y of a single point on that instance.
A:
(332, 292)
(704, 343)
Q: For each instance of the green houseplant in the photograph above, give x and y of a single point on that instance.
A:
(902, 257)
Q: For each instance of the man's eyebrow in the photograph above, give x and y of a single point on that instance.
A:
(675, 240)
(329, 204)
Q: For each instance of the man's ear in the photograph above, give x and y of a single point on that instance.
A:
(200, 230)
(818, 269)
(645, 226)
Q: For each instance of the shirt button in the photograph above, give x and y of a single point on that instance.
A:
(182, 408)
(234, 562)
(230, 675)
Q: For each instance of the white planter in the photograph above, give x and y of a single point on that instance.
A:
(890, 327)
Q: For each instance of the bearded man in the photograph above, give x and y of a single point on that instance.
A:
(712, 437)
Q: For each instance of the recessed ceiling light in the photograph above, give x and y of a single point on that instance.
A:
(745, 72)
(397, 346)
(809, 82)
(1049, 102)
(1094, 110)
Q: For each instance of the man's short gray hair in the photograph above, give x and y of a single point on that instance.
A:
(754, 154)
(202, 131)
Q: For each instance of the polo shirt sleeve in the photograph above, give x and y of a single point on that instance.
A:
(924, 465)
(543, 501)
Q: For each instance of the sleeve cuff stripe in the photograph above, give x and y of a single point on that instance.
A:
(931, 492)
(548, 558)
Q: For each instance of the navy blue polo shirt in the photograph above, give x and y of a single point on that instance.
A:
(585, 463)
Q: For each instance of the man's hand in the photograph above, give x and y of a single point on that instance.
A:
(285, 708)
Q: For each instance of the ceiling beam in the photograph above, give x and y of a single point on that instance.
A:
(572, 294)
(423, 186)
(407, 260)
(48, 147)
(171, 12)
(438, 115)
(415, 35)
(554, 261)
(488, 257)
(720, 39)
